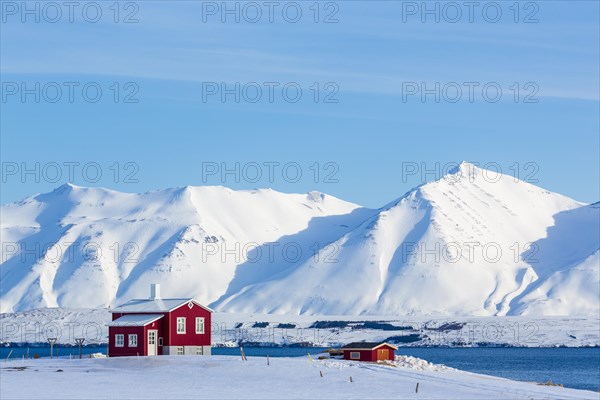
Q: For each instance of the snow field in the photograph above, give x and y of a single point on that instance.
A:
(221, 377)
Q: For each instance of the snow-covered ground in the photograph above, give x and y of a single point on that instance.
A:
(323, 331)
(229, 377)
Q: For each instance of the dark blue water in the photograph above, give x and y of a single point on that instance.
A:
(268, 351)
(19, 352)
(58, 351)
(577, 368)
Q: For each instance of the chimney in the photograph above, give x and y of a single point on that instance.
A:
(154, 291)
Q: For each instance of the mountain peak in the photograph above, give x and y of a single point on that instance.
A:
(66, 187)
(315, 196)
(464, 168)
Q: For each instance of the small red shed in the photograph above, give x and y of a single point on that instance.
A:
(156, 326)
(369, 351)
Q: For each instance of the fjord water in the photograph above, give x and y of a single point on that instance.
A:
(577, 368)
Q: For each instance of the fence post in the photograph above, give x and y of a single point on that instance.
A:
(51, 341)
(79, 342)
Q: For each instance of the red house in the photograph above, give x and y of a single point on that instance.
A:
(371, 352)
(156, 326)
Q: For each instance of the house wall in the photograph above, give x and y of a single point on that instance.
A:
(141, 331)
(114, 351)
(161, 325)
(190, 338)
(157, 325)
(369, 355)
(365, 355)
(188, 350)
(391, 354)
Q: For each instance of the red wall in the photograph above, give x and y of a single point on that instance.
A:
(368, 355)
(390, 354)
(190, 338)
(114, 351)
(142, 333)
(365, 355)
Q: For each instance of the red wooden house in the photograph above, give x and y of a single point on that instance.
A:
(371, 352)
(156, 326)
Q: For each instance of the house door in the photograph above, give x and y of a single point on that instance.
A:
(152, 334)
(382, 354)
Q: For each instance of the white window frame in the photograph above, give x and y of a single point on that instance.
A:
(182, 320)
(160, 341)
(199, 351)
(180, 351)
(355, 355)
(132, 340)
(199, 325)
(119, 340)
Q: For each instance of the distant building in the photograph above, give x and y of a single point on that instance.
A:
(369, 351)
(156, 326)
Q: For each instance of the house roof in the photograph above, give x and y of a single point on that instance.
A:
(136, 320)
(153, 305)
(367, 346)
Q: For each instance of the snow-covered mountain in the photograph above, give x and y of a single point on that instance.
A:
(468, 244)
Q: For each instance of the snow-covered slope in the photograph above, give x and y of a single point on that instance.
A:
(471, 243)
(88, 247)
(468, 244)
(567, 267)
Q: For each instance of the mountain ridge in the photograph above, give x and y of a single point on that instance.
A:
(266, 251)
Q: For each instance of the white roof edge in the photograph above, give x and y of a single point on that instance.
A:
(151, 318)
(195, 302)
(386, 344)
(183, 301)
(373, 348)
(203, 306)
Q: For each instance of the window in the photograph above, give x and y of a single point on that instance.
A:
(181, 325)
(199, 351)
(160, 341)
(179, 351)
(200, 325)
(119, 340)
(355, 355)
(132, 340)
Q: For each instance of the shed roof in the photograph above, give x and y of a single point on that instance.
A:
(367, 346)
(153, 305)
(136, 320)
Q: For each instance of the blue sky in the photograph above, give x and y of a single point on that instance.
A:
(368, 61)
